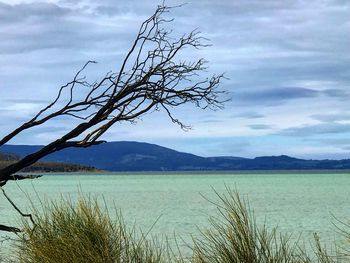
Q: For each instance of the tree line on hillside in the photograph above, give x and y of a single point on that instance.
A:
(10, 158)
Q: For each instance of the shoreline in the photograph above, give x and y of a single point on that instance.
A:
(202, 172)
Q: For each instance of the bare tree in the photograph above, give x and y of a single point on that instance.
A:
(151, 77)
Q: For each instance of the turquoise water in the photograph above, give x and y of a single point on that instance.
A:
(295, 202)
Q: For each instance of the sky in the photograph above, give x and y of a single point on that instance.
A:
(287, 64)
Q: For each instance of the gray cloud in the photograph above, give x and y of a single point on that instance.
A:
(315, 130)
(26, 12)
(273, 96)
(331, 117)
(259, 126)
(337, 93)
(211, 121)
(36, 26)
(248, 115)
(277, 96)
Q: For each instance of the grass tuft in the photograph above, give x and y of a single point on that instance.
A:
(235, 237)
(83, 232)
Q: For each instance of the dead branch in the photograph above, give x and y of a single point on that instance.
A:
(151, 77)
(9, 229)
(16, 207)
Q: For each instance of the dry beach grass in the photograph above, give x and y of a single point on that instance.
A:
(83, 231)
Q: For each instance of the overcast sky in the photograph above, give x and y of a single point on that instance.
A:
(288, 64)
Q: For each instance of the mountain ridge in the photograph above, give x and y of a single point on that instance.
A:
(141, 156)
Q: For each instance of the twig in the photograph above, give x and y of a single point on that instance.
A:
(16, 208)
(9, 229)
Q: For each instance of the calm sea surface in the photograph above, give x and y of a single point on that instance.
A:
(295, 202)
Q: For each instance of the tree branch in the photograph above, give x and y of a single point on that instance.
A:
(16, 208)
(9, 229)
(152, 77)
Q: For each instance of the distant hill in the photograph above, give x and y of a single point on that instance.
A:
(9, 158)
(121, 156)
(137, 156)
